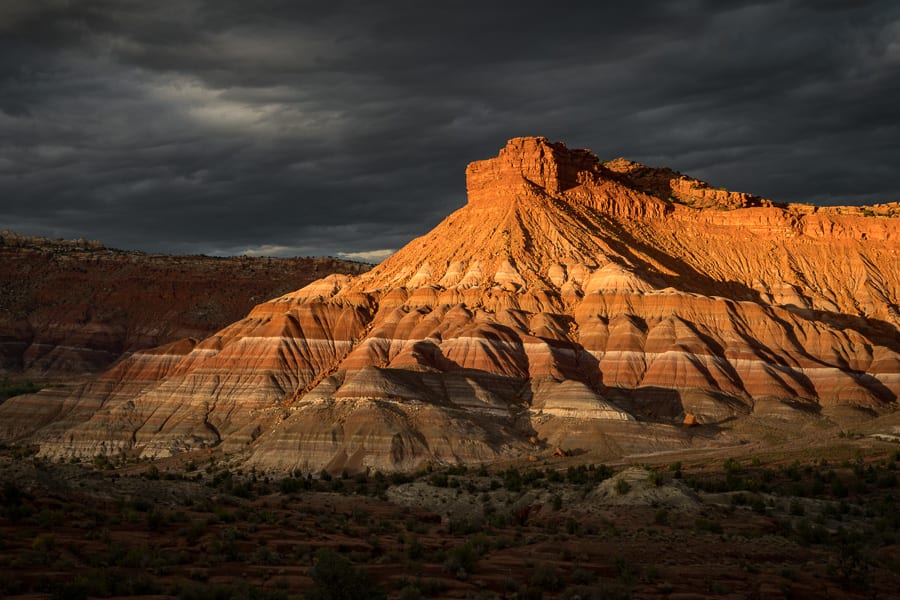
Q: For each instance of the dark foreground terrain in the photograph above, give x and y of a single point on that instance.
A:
(814, 522)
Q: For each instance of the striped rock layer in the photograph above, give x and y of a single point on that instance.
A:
(568, 303)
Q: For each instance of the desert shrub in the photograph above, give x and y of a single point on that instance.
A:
(399, 478)
(410, 592)
(462, 560)
(793, 471)
(810, 533)
(547, 578)
(732, 465)
(264, 555)
(702, 524)
(420, 588)
(334, 578)
(45, 547)
(625, 570)
(8, 389)
(414, 549)
(101, 461)
(623, 487)
(577, 475)
(602, 473)
(457, 470)
(194, 532)
(227, 545)
(439, 479)
(532, 477)
(223, 479)
(512, 479)
(556, 502)
(290, 485)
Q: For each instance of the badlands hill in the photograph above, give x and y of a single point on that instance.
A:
(569, 303)
(73, 306)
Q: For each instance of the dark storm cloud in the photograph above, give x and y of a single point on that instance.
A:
(310, 128)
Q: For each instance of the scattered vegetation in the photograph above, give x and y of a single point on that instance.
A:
(205, 529)
(8, 388)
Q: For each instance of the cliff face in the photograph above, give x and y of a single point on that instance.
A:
(568, 302)
(72, 306)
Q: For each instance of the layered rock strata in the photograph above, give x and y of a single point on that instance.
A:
(73, 306)
(569, 303)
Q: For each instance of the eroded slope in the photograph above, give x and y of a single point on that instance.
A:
(568, 303)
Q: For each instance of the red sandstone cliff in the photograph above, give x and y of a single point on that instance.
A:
(573, 302)
(74, 306)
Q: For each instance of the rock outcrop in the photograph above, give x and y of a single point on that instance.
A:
(569, 304)
(73, 306)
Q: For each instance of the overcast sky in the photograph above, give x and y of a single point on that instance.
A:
(330, 127)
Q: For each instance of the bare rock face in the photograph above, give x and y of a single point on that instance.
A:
(73, 306)
(569, 304)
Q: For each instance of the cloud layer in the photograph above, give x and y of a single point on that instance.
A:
(344, 127)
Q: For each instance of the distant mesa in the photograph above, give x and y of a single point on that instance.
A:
(569, 304)
(70, 307)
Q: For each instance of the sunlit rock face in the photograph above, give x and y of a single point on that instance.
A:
(570, 303)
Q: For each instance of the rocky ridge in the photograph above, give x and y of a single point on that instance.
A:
(570, 303)
(74, 306)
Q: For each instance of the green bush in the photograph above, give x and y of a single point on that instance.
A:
(462, 559)
(512, 480)
(577, 475)
(334, 578)
(290, 485)
(602, 473)
(547, 578)
(707, 525)
(439, 479)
